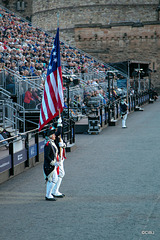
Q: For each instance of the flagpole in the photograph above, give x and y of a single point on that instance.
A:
(57, 19)
(60, 139)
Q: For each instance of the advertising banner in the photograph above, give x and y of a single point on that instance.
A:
(5, 163)
(41, 146)
(33, 151)
(20, 157)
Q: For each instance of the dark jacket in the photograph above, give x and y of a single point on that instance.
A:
(123, 108)
(49, 155)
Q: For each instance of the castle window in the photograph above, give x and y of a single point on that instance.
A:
(20, 5)
(153, 66)
(95, 36)
(158, 13)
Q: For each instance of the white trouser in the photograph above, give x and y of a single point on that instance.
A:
(124, 120)
(57, 179)
(61, 172)
(49, 184)
(55, 176)
(49, 188)
(61, 169)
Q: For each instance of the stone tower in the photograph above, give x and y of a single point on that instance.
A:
(69, 13)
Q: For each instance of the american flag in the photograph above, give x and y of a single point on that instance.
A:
(52, 101)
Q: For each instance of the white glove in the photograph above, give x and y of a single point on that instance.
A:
(62, 144)
(52, 163)
(60, 159)
(59, 122)
(56, 164)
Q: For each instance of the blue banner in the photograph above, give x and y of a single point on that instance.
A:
(5, 163)
(20, 157)
(33, 151)
(41, 146)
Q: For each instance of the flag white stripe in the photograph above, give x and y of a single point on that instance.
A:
(50, 101)
(60, 87)
(54, 85)
(44, 108)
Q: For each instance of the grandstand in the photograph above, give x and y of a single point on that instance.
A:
(24, 56)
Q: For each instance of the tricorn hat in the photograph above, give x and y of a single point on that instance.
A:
(50, 131)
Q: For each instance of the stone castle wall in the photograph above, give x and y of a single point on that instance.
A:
(68, 13)
(121, 43)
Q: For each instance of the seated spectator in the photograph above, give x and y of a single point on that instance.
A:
(2, 137)
(29, 102)
(5, 134)
(87, 98)
(36, 97)
(10, 84)
(71, 103)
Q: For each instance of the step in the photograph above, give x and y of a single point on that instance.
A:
(113, 122)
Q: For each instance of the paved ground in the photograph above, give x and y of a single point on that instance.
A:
(112, 188)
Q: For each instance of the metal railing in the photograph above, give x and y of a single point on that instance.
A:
(10, 115)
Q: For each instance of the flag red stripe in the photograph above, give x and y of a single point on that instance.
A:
(59, 100)
(52, 93)
(46, 102)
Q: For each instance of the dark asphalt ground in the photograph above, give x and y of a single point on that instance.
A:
(112, 187)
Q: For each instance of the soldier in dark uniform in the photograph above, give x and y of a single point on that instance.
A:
(124, 111)
(50, 161)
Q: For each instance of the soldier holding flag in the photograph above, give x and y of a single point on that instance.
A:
(52, 105)
(54, 162)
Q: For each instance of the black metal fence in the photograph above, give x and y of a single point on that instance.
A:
(111, 111)
(29, 145)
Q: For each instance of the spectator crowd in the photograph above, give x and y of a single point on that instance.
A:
(25, 49)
